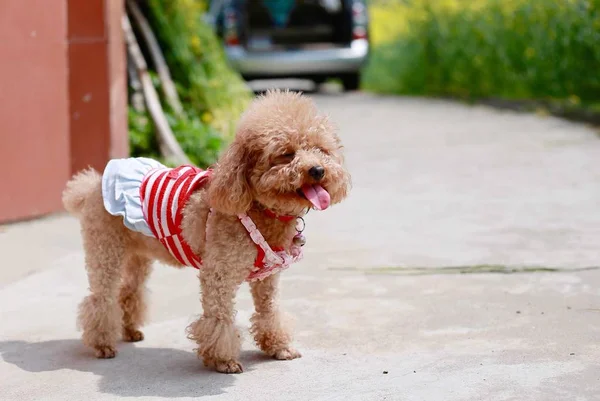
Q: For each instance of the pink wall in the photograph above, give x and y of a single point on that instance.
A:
(62, 97)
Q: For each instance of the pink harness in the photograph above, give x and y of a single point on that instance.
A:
(268, 261)
(164, 193)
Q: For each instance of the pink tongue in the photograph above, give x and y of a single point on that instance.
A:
(317, 195)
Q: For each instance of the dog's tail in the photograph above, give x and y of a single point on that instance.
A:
(79, 188)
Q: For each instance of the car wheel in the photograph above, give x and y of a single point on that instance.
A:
(351, 82)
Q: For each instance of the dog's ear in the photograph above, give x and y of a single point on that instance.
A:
(229, 190)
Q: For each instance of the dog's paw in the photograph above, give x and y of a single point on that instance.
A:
(287, 354)
(229, 366)
(132, 335)
(105, 351)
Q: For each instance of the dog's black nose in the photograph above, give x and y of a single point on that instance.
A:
(316, 172)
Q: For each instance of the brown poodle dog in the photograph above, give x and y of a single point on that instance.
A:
(282, 149)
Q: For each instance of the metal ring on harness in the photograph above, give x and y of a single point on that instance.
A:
(300, 219)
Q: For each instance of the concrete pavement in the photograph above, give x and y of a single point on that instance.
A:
(462, 267)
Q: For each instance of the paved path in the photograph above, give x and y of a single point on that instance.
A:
(382, 311)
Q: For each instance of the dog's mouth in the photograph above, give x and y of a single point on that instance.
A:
(315, 194)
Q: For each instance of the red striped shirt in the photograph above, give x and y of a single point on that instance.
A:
(164, 192)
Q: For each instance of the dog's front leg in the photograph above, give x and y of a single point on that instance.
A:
(269, 332)
(215, 333)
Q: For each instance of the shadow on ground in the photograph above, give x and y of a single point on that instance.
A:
(136, 372)
(328, 89)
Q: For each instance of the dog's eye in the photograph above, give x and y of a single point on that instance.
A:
(285, 158)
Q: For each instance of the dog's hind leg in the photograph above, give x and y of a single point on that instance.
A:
(99, 313)
(136, 270)
(269, 332)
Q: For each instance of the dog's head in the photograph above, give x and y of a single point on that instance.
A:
(285, 156)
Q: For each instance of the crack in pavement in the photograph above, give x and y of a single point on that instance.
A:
(474, 269)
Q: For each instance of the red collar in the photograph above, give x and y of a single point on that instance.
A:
(273, 215)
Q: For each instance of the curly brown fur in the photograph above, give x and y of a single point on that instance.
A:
(268, 329)
(280, 137)
(136, 270)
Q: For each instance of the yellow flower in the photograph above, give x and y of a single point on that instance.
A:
(195, 43)
(206, 117)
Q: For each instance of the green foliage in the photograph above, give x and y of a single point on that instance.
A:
(198, 139)
(206, 84)
(213, 96)
(142, 140)
(514, 49)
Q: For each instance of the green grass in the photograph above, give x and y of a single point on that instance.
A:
(512, 49)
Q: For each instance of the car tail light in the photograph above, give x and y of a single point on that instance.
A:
(358, 9)
(231, 32)
(359, 20)
(232, 40)
(358, 32)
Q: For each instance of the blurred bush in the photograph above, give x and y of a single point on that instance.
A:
(213, 95)
(515, 49)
